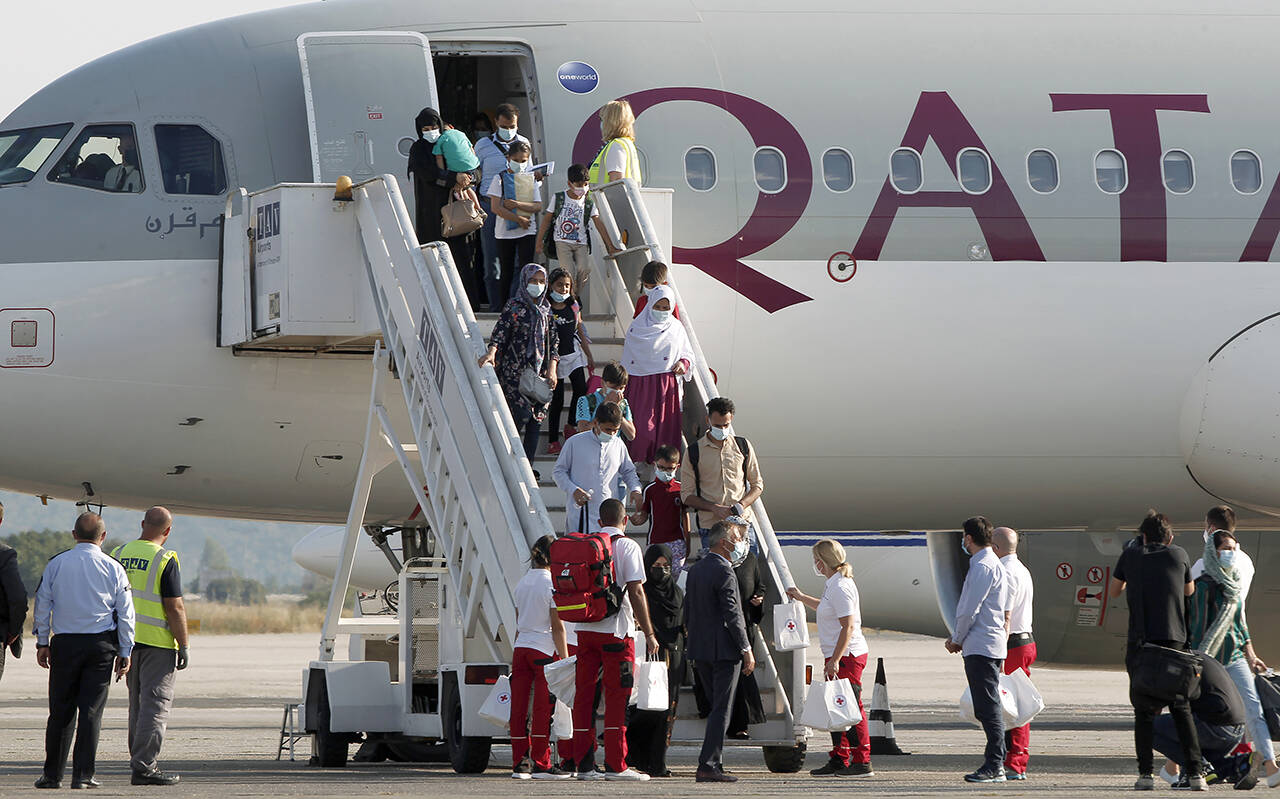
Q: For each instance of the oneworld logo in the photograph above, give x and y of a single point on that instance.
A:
(578, 77)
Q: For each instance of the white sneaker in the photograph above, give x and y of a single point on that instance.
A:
(520, 775)
(589, 775)
(1166, 776)
(630, 775)
(1273, 780)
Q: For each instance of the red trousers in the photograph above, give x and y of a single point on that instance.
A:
(616, 658)
(564, 747)
(1018, 741)
(853, 745)
(530, 739)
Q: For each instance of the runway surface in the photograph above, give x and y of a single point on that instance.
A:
(225, 726)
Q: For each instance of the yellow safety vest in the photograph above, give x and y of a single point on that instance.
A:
(145, 561)
(598, 176)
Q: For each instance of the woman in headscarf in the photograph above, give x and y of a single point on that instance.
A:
(433, 189)
(658, 356)
(1220, 630)
(524, 337)
(748, 707)
(649, 731)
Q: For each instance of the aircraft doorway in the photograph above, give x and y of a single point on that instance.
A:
(475, 77)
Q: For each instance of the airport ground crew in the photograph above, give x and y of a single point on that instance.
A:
(161, 642)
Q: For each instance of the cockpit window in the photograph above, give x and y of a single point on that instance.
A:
(102, 157)
(190, 160)
(23, 152)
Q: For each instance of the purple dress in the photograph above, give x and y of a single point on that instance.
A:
(655, 410)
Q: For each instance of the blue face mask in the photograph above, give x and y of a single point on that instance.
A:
(963, 548)
(719, 433)
(739, 554)
(604, 437)
(659, 317)
(517, 166)
(1227, 556)
(558, 297)
(665, 475)
(535, 290)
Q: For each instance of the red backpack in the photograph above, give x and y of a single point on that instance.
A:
(582, 583)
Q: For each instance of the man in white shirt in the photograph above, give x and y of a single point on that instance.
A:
(492, 151)
(607, 646)
(1022, 645)
(590, 465)
(981, 634)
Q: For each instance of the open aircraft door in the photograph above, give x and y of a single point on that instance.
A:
(363, 91)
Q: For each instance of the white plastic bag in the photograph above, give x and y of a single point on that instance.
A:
(831, 706)
(562, 722)
(562, 678)
(1027, 699)
(790, 627)
(497, 707)
(651, 685)
(1008, 705)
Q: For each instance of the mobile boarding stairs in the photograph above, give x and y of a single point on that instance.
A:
(348, 279)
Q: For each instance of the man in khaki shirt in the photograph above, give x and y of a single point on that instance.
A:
(721, 477)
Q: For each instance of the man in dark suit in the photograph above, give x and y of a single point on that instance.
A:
(13, 601)
(718, 643)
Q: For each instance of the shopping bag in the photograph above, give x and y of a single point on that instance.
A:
(651, 685)
(562, 722)
(1025, 696)
(1008, 705)
(831, 706)
(562, 678)
(790, 627)
(497, 707)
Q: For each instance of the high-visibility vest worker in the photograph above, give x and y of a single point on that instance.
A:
(597, 174)
(145, 562)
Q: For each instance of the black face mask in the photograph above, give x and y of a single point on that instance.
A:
(660, 573)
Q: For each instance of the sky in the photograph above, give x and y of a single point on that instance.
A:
(81, 30)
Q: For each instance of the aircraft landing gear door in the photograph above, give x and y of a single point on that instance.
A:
(363, 91)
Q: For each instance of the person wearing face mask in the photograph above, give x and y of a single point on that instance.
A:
(524, 337)
(658, 356)
(1219, 629)
(514, 198)
(563, 231)
(481, 127)
(654, 274)
(721, 476)
(590, 466)
(661, 507)
(844, 652)
(649, 731)
(434, 186)
(576, 361)
(492, 150)
(748, 707)
(718, 643)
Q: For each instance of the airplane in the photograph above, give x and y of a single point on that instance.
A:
(1023, 271)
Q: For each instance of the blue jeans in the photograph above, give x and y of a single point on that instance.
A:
(983, 674)
(1243, 677)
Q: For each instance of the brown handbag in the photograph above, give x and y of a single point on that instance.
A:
(459, 217)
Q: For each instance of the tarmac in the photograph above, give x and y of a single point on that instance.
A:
(225, 728)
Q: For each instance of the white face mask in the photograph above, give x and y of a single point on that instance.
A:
(535, 289)
(739, 554)
(604, 437)
(719, 433)
(659, 317)
(431, 136)
(576, 193)
(506, 134)
(517, 166)
(816, 570)
(665, 475)
(558, 297)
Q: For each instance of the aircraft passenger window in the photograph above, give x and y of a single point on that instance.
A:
(1179, 171)
(1110, 171)
(771, 170)
(974, 168)
(190, 160)
(1042, 171)
(837, 169)
(22, 152)
(102, 157)
(906, 171)
(700, 169)
(1246, 172)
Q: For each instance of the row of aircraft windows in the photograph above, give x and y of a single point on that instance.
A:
(973, 166)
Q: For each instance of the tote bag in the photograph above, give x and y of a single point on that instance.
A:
(831, 706)
(651, 685)
(562, 722)
(562, 678)
(497, 707)
(1008, 705)
(1025, 697)
(790, 628)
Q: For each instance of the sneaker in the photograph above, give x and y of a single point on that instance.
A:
(1145, 782)
(630, 775)
(1172, 779)
(1273, 780)
(552, 773)
(520, 775)
(554, 448)
(1247, 783)
(590, 774)
(856, 770)
(153, 777)
(985, 774)
(1010, 774)
(568, 766)
(833, 767)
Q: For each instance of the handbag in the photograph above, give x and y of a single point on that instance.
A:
(1008, 705)
(460, 216)
(1025, 696)
(1160, 672)
(497, 706)
(831, 706)
(651, 685)
(533, 386)
(790, 628)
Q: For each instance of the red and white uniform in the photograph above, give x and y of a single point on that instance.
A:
(534, 649)
(1022, 652)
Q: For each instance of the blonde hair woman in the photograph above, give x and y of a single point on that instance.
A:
(844, 650)
(618, 158)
